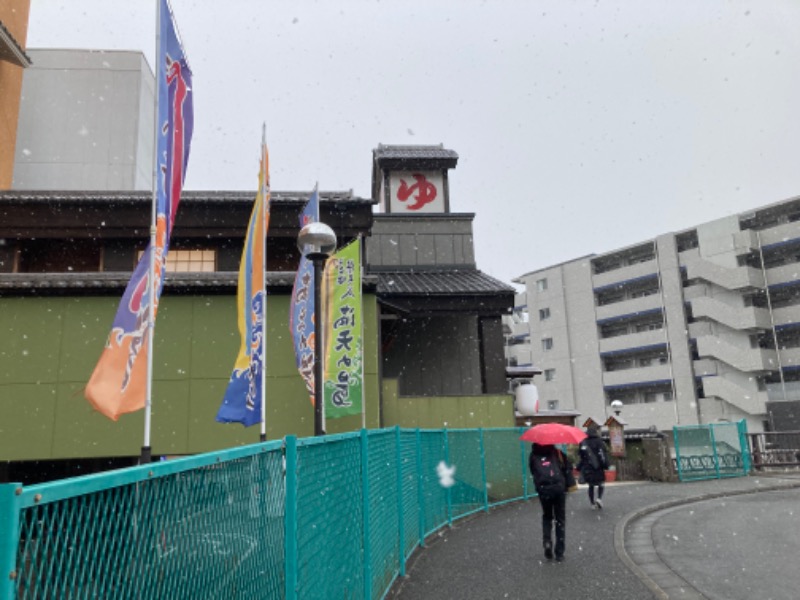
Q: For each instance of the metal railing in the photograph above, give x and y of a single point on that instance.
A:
(711, 451)
(775, 449)
(329, 517)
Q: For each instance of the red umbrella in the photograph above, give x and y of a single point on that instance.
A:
(553, 433)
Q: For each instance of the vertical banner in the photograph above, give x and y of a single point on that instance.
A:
(118, 384)
(344, 349)
(243, 397)
(301, 310)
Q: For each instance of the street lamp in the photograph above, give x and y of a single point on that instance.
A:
(316, 241)
(616, 406)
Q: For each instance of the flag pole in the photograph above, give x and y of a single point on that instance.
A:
(361, 312)
(319, 329)
(146, 454)
(264, 192)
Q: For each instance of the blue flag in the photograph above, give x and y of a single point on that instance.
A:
(301, 311)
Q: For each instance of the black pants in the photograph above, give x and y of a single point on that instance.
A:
(554, 508)
(600, 487)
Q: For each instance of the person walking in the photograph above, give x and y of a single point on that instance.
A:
(552, 477)
(593, 464)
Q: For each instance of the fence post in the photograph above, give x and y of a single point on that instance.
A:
(365, 509)
(401, 526)
(744, 445)
(420, 490)
(290, 519)
(447, 494)
(10, 506)
(675, 438)
(483, 473)
(714, 449)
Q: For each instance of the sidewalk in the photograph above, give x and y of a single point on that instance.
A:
(650, 541)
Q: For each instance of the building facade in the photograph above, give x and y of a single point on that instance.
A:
(75, 223)
(85, 122)
(698, 326)
(13, 61)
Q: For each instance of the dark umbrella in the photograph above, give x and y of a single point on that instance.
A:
(553, 433)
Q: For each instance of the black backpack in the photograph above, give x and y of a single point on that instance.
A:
(547, 475)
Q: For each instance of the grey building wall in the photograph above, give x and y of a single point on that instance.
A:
(437, 241)
(86, 122)
(427, 362)
(675, 331)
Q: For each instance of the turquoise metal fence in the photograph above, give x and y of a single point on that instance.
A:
(328, 517)
(711, 451)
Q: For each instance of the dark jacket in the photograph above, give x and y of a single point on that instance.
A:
(559, 459)
(594, 458)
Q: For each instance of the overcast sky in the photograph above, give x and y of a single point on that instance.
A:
(581, 127)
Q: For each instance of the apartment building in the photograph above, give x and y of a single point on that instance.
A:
(692, 327)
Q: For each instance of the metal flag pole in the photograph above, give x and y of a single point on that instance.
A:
(361, 312)
(265, 195)
(319, 329)
(146, 454)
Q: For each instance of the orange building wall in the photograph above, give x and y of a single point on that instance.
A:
(14, 15)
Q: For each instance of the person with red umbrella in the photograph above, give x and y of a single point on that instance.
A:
(552, 476)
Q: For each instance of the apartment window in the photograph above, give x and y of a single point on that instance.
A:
(552, 405)
(645, 362)
(190, 261)
(549, 374)
(541, 285)
(544, 314)
(547, 344)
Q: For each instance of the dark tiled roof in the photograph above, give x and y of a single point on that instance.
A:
(101, 282)
(101, 196)
(10, 50)
(414, 152)
(432, 283)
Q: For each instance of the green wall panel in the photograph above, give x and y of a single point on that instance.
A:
(27, 418)
(49, 348)
(80, 431)
(453, 412)
(30, 340)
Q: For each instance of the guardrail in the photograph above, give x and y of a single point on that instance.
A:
(329, 517)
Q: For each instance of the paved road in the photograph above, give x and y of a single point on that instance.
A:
(651, 541)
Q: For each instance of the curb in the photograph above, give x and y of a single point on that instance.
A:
(619, 530)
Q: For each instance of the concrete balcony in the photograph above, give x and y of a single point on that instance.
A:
(519, 329)
(631, 341)
(520, 300)
(784, 274)
(748, 399)
(628, 307)
(738, 278)
(749, 360)
(522, 353)
(782, 234)
(740, 318)
(786, 315)
(623, 274)
(699, 329)
(638, 376)
(706, 367)
(790, 357)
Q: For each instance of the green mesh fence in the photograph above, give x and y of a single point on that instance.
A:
(329, 517)
(191, 528)
(711, 451)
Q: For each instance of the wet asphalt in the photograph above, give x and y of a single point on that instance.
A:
(729, 539)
